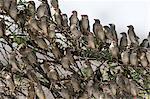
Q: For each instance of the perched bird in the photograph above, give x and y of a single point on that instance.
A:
(42, 10)
(133, 58)
(51, 30)
(66, 94)
(75, 83)
(22, 19)
(84, 24)
(54, 4)
(108, 34)
(56, 52)
(113, 31)
(76, 34)
(145, 43)
(133, 89)
(84, 95)
(74, 18)
(125, 57)
(65, 20)
(13, 61)
(1, 4)
(98, 30)
(10, 83)
(13, 10)
(33, 23)
(123, 40)
(31, 91)
(7, 4)
(148, 55)
(51, 72)
(40, 92)
(2, 28)
(113, 49)
(148, 37)
(143, 59)
(58, 17)
(90, 40)
(31, 8)
(132, 36)
(44, 25)
(65, 62)
(41, 43)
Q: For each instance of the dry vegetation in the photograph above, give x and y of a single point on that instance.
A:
(40, 50)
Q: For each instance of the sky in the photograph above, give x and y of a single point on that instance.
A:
(119, 12)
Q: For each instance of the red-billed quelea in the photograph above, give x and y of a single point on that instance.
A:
(98, 30)
(58, 17)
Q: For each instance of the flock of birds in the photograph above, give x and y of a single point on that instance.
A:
(40, 24)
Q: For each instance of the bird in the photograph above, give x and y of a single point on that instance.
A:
(1, 4)
(7, 4)
(84, 24)
(58, 18)
(42, 10)
(74, 18)
(40, 92)
(51, 30)
(31, 91)
(65, 62)
(148, 55)
(133, 89)
(41, 43)
(13, 10)
(125, 57)
(56, 52)
(133, 58)
(54, 3)
(108, 34)
(44, 25)
(132, 36)
(113, 31)
(98, 30)
(90, 40)
(2, 28)
(76, 34)
(148, 37)
(31, 8)
(113, 49)
(10, 83)
(13, 62)
(145, 43)
(123, 40)
(65, 20)
(143, 59)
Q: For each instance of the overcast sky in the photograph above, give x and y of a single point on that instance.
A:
(119, 12)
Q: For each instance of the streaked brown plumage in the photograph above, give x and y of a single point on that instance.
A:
(84, 24)
(74, 18)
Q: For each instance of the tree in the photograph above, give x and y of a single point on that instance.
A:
(41, 51)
